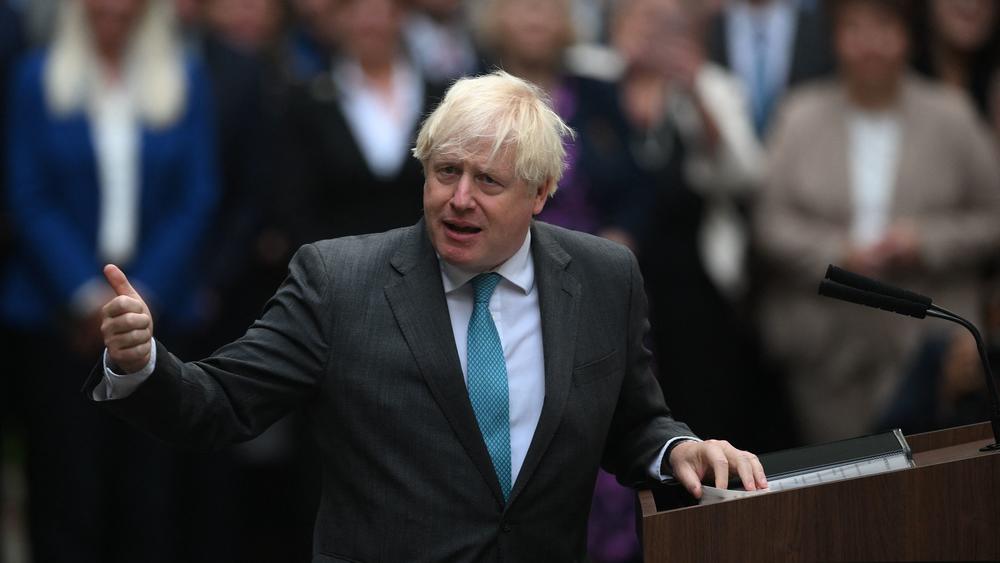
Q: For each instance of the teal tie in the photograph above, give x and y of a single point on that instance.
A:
(487, 379)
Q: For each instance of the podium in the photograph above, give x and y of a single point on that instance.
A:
(947, 507)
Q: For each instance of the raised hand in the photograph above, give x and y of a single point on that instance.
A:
(127, 325)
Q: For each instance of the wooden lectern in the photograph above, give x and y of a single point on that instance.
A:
(947, 507)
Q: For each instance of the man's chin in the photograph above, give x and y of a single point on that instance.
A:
(460, 260)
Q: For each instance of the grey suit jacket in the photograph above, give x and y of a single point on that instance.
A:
(359, 336)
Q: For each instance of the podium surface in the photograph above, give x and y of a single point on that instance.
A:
(947, 507)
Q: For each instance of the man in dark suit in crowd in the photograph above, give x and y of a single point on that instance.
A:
(772, 45)
(465, 376)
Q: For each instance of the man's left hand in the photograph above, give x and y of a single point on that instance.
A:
(692, 461)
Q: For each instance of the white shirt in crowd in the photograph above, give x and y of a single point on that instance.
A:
(382, 125)
(873, 140)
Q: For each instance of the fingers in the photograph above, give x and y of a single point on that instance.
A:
(758, 472)
(128, 339)
(693, 461)
(116, 278)
(720, 468)
(125, 322)
(741, 463)
(123, 305)
(745, 470)
(688, 477)
(744, 464)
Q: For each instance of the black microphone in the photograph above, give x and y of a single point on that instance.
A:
(828, 288)
(855, 288)
(858, 281)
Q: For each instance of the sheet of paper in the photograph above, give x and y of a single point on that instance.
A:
(859, 469)
(710, 495)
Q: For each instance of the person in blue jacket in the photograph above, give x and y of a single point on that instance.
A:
(110, 159)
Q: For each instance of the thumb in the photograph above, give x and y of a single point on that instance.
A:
(116, 278)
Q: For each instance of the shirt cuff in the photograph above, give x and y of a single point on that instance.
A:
(656, 468)
(118, 386)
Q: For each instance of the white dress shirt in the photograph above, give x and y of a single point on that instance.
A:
(516, 313)
(382, 125)
(874, 140)
(115, 134)
(115, 137)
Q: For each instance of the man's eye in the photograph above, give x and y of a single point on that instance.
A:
(448, 170)
(487, 179)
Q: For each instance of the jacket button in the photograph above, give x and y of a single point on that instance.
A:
(506, 528)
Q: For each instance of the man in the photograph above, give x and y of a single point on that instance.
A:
(461, 417)
(772, 45)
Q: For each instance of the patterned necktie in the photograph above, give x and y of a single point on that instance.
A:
(487, 379)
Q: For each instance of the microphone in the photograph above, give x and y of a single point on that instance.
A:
(843, 292)
(858, 281)
(855, 288)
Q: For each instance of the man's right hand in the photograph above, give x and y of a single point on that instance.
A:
(127, 325)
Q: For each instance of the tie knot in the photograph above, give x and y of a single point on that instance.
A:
(483, 286)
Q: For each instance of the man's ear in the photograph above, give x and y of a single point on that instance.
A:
(542, 195)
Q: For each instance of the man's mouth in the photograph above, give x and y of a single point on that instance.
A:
(462, 228)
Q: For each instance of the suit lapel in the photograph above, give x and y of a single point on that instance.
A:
(559, 302)
(418, 303)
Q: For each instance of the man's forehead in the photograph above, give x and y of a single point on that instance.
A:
(480, 156)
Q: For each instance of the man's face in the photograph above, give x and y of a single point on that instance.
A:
(478, 212)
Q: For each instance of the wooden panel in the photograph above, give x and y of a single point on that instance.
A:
(951, 436)
(945, 508)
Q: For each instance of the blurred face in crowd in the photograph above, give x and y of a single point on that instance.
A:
(248, 24)
(640, 26)
(871, 46)
(369, 30)
(478, 212)
(964, 25)
(111, 23)
(532, 32)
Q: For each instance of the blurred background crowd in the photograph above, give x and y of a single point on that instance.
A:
(737, 147)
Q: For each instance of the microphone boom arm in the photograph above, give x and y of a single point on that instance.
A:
(991, 386)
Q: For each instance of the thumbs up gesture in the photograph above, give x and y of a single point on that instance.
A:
(126, 324)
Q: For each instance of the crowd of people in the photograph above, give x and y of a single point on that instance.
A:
(736, 147)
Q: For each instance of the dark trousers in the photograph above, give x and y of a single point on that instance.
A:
(98, 489)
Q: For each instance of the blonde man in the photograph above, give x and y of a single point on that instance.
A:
(466, 376)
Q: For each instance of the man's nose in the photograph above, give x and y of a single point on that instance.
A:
(462, 198)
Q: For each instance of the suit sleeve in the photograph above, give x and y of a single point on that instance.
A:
(642, 423)
(247, 385)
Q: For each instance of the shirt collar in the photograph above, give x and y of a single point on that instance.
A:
(519, 270)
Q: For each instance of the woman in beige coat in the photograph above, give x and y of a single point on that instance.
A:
(885, 174)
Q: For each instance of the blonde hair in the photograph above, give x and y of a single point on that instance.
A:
(154, 65)
(510, 115)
